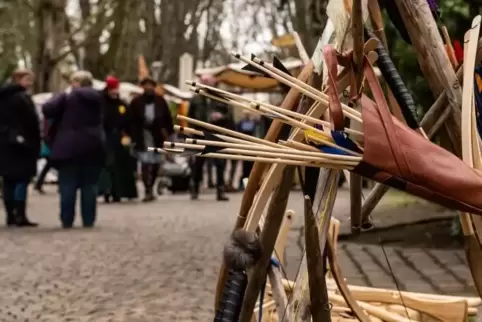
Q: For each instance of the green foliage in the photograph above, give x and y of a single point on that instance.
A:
(456, 15)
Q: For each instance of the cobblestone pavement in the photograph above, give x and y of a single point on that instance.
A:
(159, 262)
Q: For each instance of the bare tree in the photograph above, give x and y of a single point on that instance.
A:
(308, 18)
(106, 36)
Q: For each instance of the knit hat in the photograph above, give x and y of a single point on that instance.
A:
(111, 82)
(148, 80)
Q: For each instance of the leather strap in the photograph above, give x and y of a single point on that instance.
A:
(336, 111)
(381, 106)
(346, 60)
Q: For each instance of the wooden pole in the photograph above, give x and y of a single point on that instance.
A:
(274, 219)
(319, 303)
(433, 60)
(358, 56)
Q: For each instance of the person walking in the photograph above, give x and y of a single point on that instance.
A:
(151, 124)
(78, 147)
(117, 178)
(19, 146)
(44, 154)
(211, 111)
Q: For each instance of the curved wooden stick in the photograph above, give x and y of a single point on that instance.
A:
(472, 302)
(379, 312)
(447, 311)
(343, 287)
(472, 244)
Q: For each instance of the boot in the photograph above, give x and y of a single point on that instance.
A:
(195, 191)
(220, 196)
(149, 195)
(21, 219)
(210, 182)
(10, 210)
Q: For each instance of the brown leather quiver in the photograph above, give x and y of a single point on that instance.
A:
(399, 157)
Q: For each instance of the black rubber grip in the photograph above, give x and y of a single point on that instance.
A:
(396, 85)
(232, 298)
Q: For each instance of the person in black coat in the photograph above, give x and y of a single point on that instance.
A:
(117, 179)
(151, 124)
(19, 145)
(207, 110)
(78, 147)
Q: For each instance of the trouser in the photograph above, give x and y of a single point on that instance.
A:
(247, 166)
(149, 176)
(232, 171)
(14, 196)
(197, 172)
(14, 190)
(41, 177)
(83, 177)
(209, 170)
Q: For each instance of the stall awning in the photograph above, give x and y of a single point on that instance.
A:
(126, 91)
(176, 92)
(234, 75)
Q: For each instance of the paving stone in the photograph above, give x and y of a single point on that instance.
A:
(156, 262)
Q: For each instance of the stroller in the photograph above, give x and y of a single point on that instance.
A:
(175, 174)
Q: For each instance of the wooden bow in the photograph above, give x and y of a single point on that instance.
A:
(471, 149)
(258, 170)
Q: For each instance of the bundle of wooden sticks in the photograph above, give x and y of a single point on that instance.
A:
(388, 305)
(379, 304)
(322, 146)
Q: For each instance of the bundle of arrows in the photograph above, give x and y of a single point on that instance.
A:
(322, 145)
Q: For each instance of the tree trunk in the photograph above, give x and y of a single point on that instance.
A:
(50, 33)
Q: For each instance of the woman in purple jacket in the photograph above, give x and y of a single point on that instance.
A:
(78, 147)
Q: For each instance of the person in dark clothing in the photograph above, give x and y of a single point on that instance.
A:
(247, 125)
(44, 154)
(19, 146)
(214, 112)
(230, 124)
(151, 124)
(78, 147)
(117, 178)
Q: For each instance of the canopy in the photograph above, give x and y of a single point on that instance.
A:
(176, 92)
(126, 91)
(234, 75)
